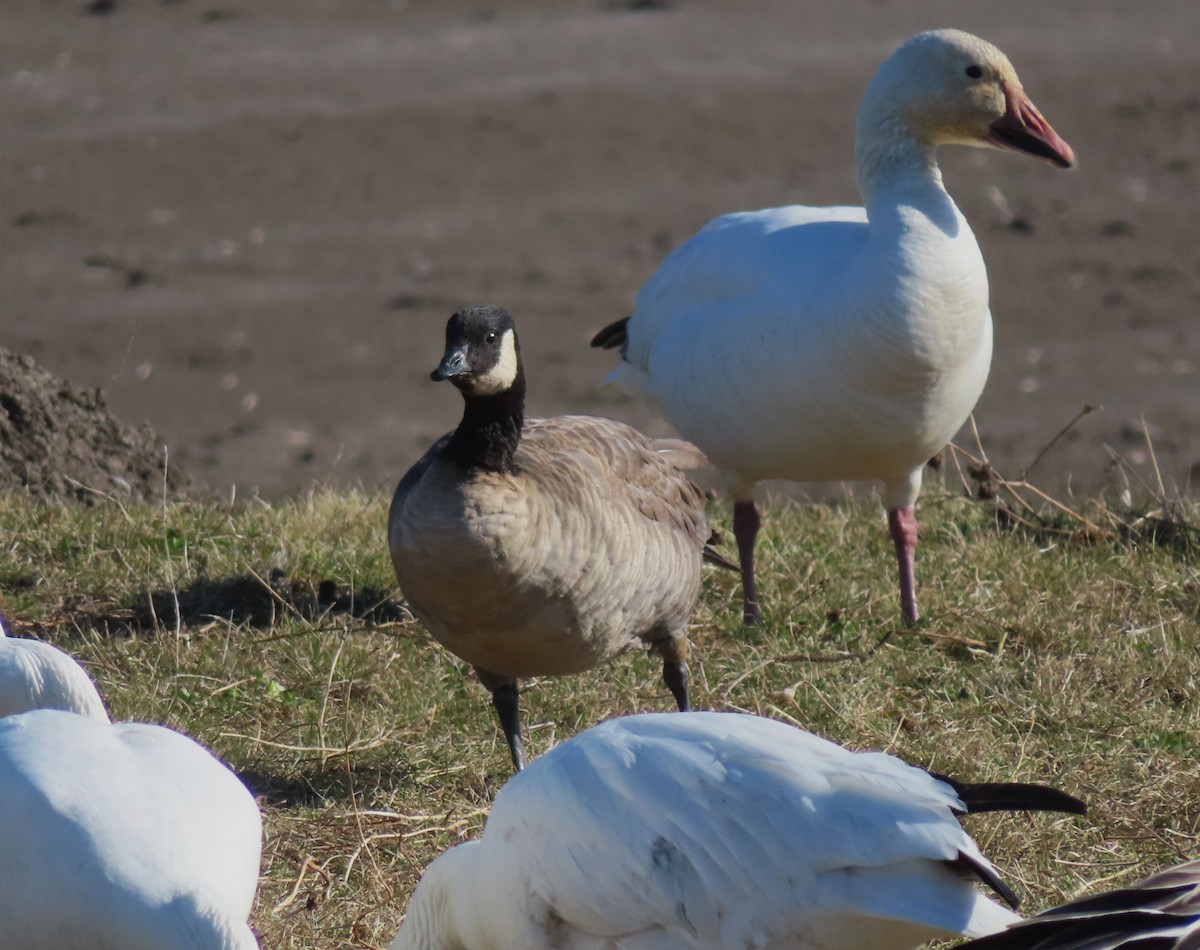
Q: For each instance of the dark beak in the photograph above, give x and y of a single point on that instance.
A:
(1022, 129)
(453, 364)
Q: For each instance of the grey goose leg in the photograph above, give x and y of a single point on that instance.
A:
(505, 698)
(675, 672)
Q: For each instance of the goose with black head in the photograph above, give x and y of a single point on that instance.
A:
(533, 547)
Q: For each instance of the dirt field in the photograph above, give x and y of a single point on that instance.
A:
(247, 220)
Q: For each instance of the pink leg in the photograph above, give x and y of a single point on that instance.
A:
(745, 530)
(902, 523)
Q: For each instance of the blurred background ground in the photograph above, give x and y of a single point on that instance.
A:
(247, 220)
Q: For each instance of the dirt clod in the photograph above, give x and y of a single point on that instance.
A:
(58, 441)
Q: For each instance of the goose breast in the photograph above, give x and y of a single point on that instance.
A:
(537, 572)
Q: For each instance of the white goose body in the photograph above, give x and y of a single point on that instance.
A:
(121, 837)
(829, 344)
(36, 675)
(708, 831)
(856, 354)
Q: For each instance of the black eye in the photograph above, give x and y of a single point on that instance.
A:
(975, 72)
(491, 336)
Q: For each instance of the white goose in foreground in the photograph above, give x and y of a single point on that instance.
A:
(547, 546)
(36, 675)
(1161, 912)
(830, 344)
(716, 831)
(120, 836)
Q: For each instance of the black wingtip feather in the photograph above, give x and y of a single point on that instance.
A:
(1013, 796)
(989, 877)
(716, 560)
(612, 336)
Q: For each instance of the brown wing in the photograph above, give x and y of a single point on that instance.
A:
(624, 467)
(1160, 913)
(1175, 890)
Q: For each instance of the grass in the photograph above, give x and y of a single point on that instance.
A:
(1049, 652)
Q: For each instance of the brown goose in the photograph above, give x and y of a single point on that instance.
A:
(546, 546)
(1161, 912)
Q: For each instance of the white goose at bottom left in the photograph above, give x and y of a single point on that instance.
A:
(121, 837)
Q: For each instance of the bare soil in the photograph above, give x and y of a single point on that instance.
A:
(247, 220)
(59, 441)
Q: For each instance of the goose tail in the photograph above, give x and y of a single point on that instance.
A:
(612, 336)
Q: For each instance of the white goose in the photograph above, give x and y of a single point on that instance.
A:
(715, 831)
(1161, 912)
(120, 836)
(36, 675)
(819, 344)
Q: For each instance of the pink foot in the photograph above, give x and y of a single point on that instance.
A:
(902, 523)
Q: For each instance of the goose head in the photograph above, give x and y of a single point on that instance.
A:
(36, 675)
(947, 87)
(483, 356)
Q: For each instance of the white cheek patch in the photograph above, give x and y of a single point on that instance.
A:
(501, 376)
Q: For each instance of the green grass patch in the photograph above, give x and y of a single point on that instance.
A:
(274, 634)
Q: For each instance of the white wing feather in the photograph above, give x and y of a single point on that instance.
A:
(787, 344)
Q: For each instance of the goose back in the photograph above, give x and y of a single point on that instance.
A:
(708, 831)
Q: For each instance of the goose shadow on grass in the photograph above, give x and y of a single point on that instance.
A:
(253, 601)
(317, 787)
(241, 600)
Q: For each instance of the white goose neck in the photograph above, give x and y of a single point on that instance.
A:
(895, 149)
(898, 170)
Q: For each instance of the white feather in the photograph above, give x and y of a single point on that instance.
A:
(113, 836)
(500, 377)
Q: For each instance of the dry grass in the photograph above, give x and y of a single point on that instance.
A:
(1052, 652)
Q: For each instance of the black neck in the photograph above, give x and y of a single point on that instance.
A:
(490, 430)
